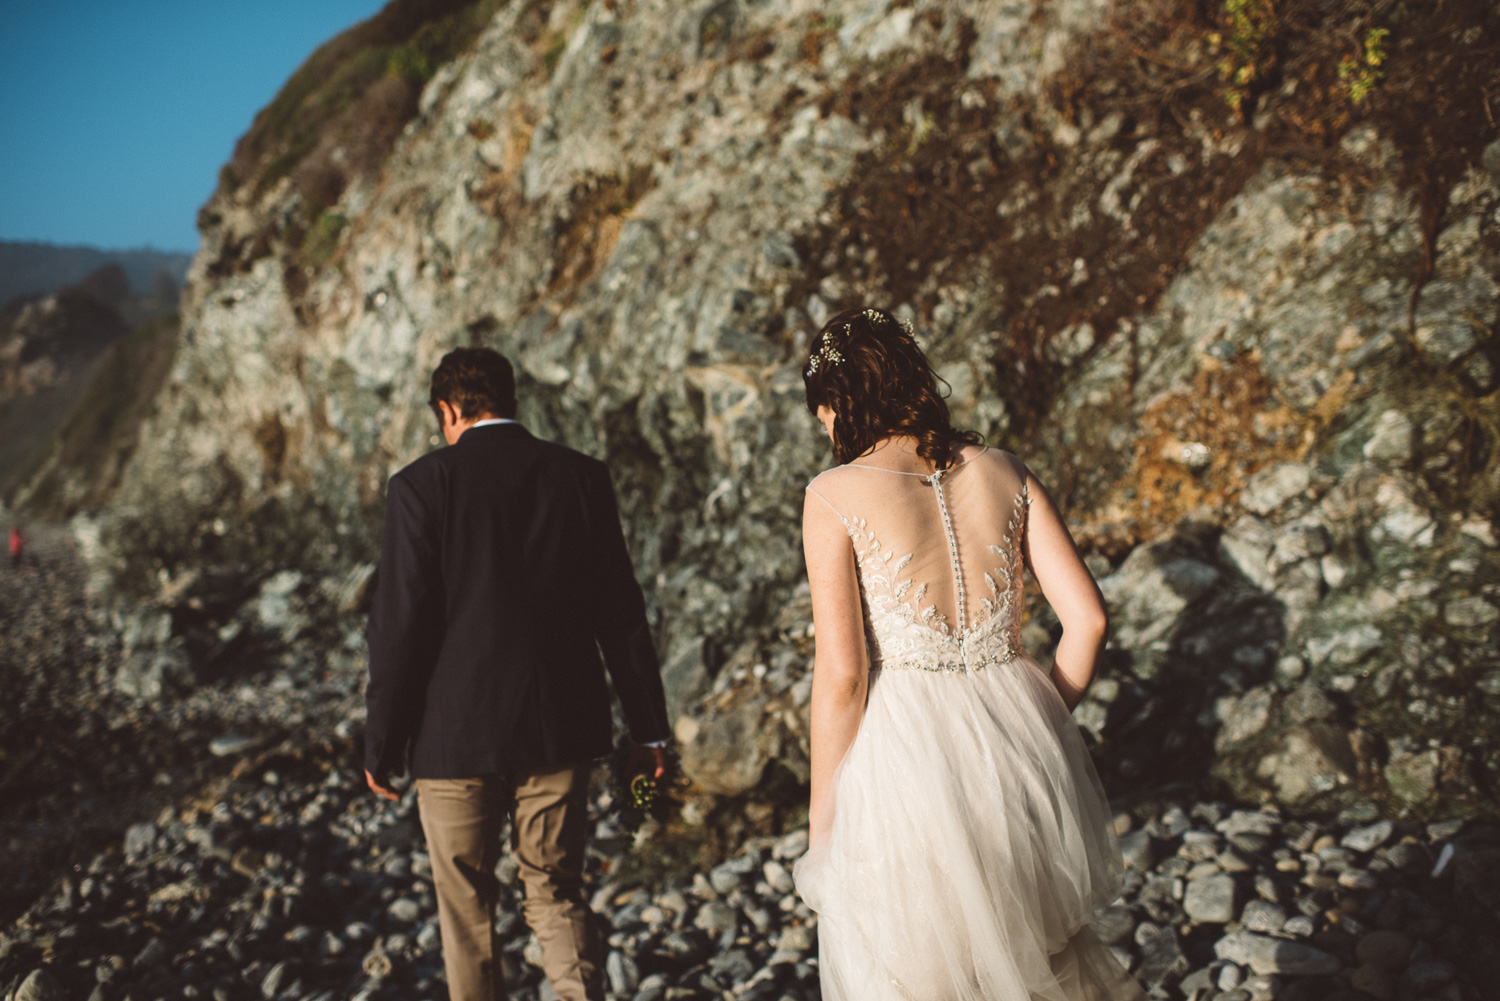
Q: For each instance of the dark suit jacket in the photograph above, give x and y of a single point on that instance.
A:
(503, 575)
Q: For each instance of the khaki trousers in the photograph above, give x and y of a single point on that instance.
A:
(462, 819)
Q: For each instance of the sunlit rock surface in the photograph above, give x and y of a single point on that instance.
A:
(1260, 386)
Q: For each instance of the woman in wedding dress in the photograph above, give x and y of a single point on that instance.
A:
(960, 839)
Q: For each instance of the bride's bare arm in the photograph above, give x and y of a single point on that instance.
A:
(841, 665)
(1070, 589)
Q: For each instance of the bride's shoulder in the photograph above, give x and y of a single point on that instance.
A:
(829, 478)
(989, 453)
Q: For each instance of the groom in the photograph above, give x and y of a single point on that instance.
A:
(503, 578)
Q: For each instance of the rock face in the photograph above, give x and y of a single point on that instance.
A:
(1262, 390)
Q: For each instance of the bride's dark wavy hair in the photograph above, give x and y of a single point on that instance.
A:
(866, 367)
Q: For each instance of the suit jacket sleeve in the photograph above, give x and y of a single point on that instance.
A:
(622, 631)
(405, 629)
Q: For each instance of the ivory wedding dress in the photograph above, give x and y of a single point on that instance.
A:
(968, 842)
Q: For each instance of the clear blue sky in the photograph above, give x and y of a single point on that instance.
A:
(115, 117)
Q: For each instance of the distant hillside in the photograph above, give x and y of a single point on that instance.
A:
(27, 268)
(66, 381)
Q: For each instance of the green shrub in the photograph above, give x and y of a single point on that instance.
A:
(408, 40)
(1362, 74)
(1250, 26)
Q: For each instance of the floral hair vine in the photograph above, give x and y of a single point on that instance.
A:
(828, 355)
(876, 316)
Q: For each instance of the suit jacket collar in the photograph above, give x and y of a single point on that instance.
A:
(507, 430)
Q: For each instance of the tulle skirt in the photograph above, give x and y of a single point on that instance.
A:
(968, 846)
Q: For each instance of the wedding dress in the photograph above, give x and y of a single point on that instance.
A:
(967, 841)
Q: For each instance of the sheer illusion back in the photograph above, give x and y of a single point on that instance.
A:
(967, 838)
(939, 558)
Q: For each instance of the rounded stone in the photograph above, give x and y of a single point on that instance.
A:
(715, 917)
(1210, 899)
(404, 909)
(40, 985)
(1263, 916)
(1367, 839)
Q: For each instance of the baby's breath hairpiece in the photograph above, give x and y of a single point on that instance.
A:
(876, 316)
(827, 354)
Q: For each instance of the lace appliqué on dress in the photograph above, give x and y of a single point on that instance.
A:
(903, 635)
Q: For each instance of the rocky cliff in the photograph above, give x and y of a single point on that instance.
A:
(1226, 278)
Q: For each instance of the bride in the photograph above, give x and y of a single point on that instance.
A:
(960, 840)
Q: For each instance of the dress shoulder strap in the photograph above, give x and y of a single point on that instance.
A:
(825, 500)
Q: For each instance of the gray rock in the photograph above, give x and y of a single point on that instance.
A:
(795, 938)
(404, 909)
(40, 985)
(1299, 925)
(1307, 704)
(732, 965)
(1246, 545)
(1198, 984)
(622, 972)
(1162, 960)
(1273, 486)
(1347, 647)
(1230, 976)
(1248, 822)
(1367, 839)
(729, 757)
(277, 607)
(1391, 438)
(778, 877)
(1137, 851)
(1290, 668)
(653, 988)
(139, 840)
(1442, 830)
(229, 743)
(1150, 590)
(1211, 899)
(1307, 762)
(1264, 955)
(1300, 541)
(273, 981)
(150, 674)
(792, 845)
(1470, 613)
(724, 880)
(1491, 161)
(1247, 716)
(1114, 925)
(715, 917)
(1263, 916)
(152, 953)
(377, 964)
(1412, 776)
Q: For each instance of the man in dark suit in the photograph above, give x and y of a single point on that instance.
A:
(503, 577)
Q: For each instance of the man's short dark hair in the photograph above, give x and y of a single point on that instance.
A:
(474, 381)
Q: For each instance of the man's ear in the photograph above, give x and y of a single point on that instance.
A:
(449, 414)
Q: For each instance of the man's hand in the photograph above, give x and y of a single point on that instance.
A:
(379, 789)
(645, 759)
